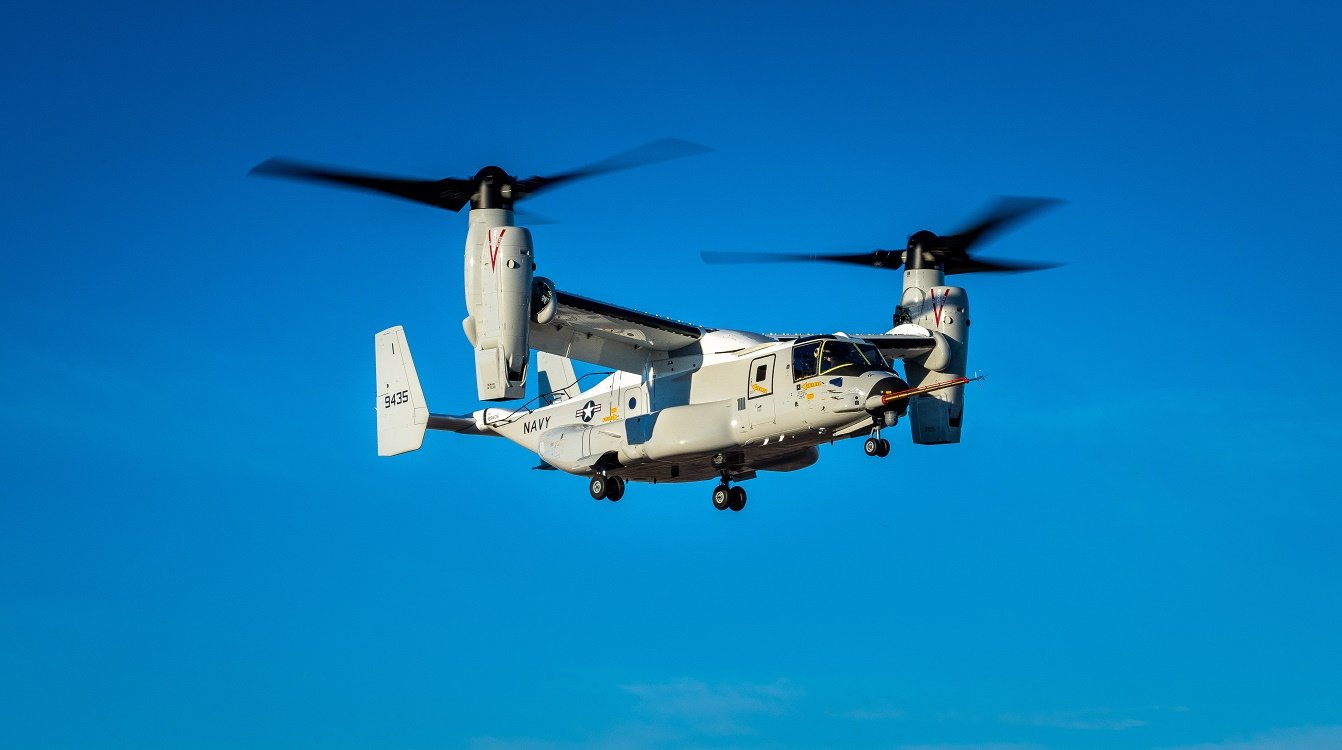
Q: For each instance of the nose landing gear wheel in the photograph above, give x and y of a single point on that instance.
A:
(736, 498)
(598, 487)
(872, 447)
(876, 447)
(722, 497)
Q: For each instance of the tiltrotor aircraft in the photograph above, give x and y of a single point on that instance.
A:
(684, 403)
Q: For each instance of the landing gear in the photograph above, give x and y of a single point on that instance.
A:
(598, 487)
(876, 445)
(603, 487)
(725, 496)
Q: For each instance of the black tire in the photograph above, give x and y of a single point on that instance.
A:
(738, 498)
(598, 487)
(722, 497)
(872, 447)
(885, 448)
(616, 489)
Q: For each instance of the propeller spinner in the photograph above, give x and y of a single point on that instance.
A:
(925, 249)
(491, 187)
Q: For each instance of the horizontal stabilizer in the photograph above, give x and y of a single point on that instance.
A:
(465, 424)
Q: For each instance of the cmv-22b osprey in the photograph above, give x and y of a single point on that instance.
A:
(684, 403)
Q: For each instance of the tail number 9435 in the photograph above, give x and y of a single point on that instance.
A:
(393, 399)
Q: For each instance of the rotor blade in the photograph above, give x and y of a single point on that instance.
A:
(987, 265)
(889, 259)
(1004, 213)
(451, 194)
(652, 152)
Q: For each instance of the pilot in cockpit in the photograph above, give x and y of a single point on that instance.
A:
(828, 360)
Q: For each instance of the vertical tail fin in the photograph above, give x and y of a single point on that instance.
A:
(556, 379)
(402, 414)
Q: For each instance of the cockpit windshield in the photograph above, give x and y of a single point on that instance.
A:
(835, 357)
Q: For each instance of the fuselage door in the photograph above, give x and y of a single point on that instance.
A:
(759, 391)
(631, 402)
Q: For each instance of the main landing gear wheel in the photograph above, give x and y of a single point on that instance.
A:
(598, 487)
(615, 489)
(722, 497)
(736, 498)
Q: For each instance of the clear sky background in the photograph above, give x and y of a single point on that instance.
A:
(1135, 546)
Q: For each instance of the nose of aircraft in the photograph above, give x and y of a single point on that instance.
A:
(875, 401)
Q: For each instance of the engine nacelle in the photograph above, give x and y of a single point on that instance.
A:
(498, 296)
(943, 310)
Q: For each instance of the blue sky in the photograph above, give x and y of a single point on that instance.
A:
(1135, 546)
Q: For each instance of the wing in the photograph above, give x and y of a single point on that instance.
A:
(893, 346)
(609, 335)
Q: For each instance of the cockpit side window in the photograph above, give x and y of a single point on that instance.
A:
(805, 360)
(872, 355)
(834, 356)
(847, 357)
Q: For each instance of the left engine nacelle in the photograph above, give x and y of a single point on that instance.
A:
(498, 297)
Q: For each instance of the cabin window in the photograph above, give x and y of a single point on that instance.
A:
(761, 379)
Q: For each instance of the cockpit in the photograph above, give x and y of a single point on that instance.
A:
(827, 356)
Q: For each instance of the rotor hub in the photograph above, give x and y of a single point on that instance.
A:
(922, 238)
(494, 188)
(919, 252)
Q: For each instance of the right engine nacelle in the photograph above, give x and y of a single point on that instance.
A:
(936, 417)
